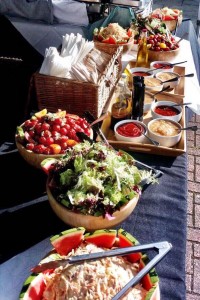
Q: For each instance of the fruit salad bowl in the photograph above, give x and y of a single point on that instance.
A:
(46, 135)
(118, 269)
(154, 55)
(93, 186)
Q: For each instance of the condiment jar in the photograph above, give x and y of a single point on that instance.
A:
(121, 108)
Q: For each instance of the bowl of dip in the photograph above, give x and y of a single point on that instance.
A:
(163, 76)
(153, 84)
(166, 110)
(130, 131)
(161, 65)
(145, 72)
(164, 131)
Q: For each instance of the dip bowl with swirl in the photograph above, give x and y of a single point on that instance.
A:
(166, 132)
(130, 131)
(167, 110)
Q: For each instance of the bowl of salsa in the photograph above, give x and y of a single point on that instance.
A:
(167, 110)
(161, 65)
(145, 72)
(130, 131)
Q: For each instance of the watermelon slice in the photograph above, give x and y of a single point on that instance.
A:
(33, 287)
(68, 240)
(47, 164)
(102, 238)
(149, 280)
(127, 240)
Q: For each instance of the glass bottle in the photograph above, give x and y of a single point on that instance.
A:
(121, 108)
(142, 54)
(138, 98)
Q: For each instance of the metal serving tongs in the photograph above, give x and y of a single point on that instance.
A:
(161, 247)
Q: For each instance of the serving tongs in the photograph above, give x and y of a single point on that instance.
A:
(162, 248)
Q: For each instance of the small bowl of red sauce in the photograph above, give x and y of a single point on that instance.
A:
(161, 65)
(130, 131)
(145, 72)
(166, 110)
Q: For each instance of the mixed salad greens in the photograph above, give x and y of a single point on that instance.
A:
(94, 179)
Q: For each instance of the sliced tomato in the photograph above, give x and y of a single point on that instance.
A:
(168, 18)
(99, 37)
(177, 11)
(129, 32)
(110, 40)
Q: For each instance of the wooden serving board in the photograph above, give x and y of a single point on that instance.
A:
(148, 148)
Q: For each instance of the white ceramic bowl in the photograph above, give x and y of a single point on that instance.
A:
(141, 72)
(165, 109)
(148, 100)
(163, 76)
(131, 127)
(153, 84)
(164, 131)
(161, 65)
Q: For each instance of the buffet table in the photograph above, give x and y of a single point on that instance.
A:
(27, 221)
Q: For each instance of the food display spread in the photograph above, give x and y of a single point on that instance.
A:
(88, 178)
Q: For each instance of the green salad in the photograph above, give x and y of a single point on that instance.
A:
(94, 179)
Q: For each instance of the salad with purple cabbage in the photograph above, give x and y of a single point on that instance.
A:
(94, 179)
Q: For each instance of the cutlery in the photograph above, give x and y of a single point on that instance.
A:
(184, 36)
(162, 247)
(181, 104)
(175, 78)
(151, 140)
(193, 128)
(178, 63)
(164, 89)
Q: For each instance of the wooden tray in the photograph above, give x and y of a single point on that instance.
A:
(148, 148)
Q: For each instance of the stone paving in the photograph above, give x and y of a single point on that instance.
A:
(190, 10)
(193, 213)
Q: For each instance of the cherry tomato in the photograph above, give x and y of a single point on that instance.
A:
(30, 146)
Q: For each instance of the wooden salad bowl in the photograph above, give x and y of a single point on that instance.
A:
(162, 55)
(127, 47)
(32, 158)
(90, 222)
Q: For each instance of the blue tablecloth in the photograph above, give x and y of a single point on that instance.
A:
(27, 221)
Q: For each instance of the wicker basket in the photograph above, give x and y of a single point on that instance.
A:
(75, 97)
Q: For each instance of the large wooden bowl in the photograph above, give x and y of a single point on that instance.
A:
(32, 158)
(127, 47)
(162, 55)
(90, 222)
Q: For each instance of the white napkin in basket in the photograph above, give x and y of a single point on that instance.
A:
(54, 64)
(74, 49)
